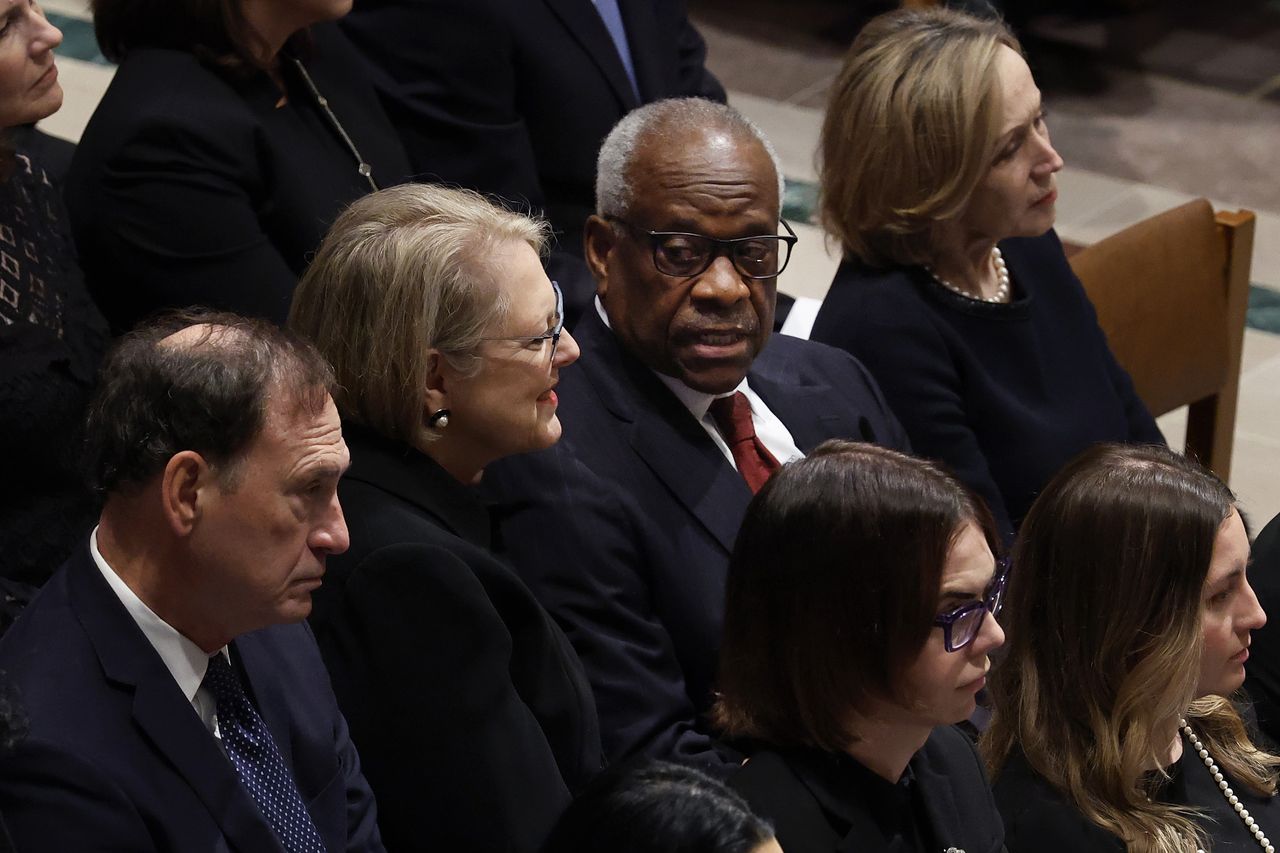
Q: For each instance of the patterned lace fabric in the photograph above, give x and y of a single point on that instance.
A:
(52, 339)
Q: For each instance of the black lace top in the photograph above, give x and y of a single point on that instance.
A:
(51, 341)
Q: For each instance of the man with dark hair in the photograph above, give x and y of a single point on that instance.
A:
(680, 409)
(176, 701)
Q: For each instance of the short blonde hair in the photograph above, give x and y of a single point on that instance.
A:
(910, 130)
(403, 271)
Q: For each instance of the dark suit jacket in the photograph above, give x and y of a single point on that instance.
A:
(117, 759)
(473, 716)
(817, 805)
(624, 529)
(514, 97)
(193, 187)
(1262, 671)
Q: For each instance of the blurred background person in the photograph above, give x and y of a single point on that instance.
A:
(659, 807)
(1262, 672)
(938, 180)
(229, 139)
(513, 97)
(52, 337)
(855, 636)
(474, 719)
(1129, 620)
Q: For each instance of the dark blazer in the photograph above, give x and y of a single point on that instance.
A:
(1262, 671)
(624, 529)
(1004, 395)
(117, 759)
(190, 186)
(514, 97)
(473, 716)
(818, 804)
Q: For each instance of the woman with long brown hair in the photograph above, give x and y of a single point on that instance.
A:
(1128, 619)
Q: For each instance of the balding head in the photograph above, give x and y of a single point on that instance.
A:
(195, 381)
(660, 128)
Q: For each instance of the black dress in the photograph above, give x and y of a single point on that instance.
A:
(1038, 819)
(474, 720)
(52, 339)
(193, 186)
(820, 802)
(1004, 395)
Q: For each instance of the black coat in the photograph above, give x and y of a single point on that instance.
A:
(514, 97)
(190, 186)
(1040, 819)
(1004, 395)
(624, 529)
(473, 717)
(1262, 671)
(117, 759)
(817, 805)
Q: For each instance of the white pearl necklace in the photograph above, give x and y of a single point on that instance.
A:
(1002, 280)
(1231, 798)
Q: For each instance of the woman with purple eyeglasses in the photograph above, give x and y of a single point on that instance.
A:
(856, 635)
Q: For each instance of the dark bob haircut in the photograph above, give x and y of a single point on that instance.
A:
(156, 399)
(833, 586)
(657, 808)
(214, 30)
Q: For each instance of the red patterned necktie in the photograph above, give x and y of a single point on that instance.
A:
(732, 415)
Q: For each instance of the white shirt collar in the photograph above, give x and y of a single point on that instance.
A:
(185, 660)
(697, 402)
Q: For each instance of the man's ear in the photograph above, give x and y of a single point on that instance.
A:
(184, 487)
(598, 241)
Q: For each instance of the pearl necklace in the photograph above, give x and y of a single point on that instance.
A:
(1002, 280)
(1230, 796)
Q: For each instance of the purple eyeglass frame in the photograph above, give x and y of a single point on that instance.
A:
(992, 601)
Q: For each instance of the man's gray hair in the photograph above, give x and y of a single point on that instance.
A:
(664, 120)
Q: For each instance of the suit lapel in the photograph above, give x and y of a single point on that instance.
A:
(663, 433)
(164, 716)
(583, 22)
(803, 408)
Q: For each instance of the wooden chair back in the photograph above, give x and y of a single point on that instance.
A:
(1171, 294)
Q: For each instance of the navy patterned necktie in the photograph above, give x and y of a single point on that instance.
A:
(258, 762)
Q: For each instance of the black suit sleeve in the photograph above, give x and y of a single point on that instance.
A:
(1262, 672)
(41, 786)
(183, 224)
(695, 80)
(447, 76)
(585, 551)
(422, 664)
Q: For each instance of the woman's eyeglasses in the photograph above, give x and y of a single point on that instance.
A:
(961, 625)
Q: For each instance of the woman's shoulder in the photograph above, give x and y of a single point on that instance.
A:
(1038, 817)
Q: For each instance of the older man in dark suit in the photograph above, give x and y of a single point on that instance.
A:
(513, 97)
(681, 407)
(175, 701)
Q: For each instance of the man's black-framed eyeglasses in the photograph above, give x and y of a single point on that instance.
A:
(683, 254)
(961, 625)
(552, 334)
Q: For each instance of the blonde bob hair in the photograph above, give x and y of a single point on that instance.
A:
(402, 272)
(1103, 617)
(910, 131)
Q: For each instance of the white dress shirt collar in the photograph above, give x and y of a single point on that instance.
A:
(185, 660)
